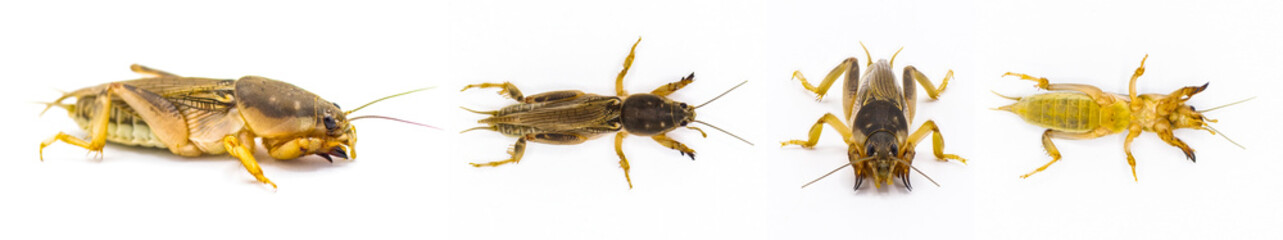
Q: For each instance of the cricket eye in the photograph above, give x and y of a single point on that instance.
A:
(330, 124)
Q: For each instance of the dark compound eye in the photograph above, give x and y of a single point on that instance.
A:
(683, 105)
(330, 124)
(895, 149)
(684, 122)
(868, 150)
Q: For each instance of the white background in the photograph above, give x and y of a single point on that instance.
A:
(413, 182)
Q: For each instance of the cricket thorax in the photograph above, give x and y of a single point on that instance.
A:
(879, 115)
(649, 114)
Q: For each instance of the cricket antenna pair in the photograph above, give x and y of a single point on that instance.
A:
(902, 161)
(715, 127)
(386, 117)
(1216, 132)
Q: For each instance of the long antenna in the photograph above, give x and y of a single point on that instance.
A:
(724, 131)
(386, 98)
(394, 119)
(1227, 138)
(836, 170)
(826, 175)
(1227, 105)
(723, 94)
(915, 169)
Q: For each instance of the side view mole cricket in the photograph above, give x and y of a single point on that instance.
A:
(1079, 111)
(571, 117)
(192, 116)
(878, 113)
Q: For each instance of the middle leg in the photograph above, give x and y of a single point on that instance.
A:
(628, 63)
(623, 161)
(937, 142)
(814, 135)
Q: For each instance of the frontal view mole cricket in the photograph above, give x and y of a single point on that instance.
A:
(877, 114)
(571, 117)
(192, 116)
(1080, 111)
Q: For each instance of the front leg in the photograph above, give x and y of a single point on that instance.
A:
(663, 139)
(294, 148)
(673, 86)
(1171, 139)
(506, 88)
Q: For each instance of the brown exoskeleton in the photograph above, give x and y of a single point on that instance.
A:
(1079, 111)
(878, 112)
(571, 117)
(191, 116)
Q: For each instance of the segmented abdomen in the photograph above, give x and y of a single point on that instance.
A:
(1063, 111)
(123, 125)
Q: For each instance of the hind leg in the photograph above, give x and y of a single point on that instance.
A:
(97, 130)
(140, 69)
(505, 88)
(1051, 147)
(518, 150)
(847, 66)
(1091, 91)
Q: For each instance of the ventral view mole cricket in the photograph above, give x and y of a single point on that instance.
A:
(192, 116)
(877, 116)
(1080, 111)
(571, 117)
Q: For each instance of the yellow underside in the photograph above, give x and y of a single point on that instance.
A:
(1071, 112)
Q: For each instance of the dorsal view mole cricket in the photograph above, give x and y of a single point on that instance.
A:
(571, 117)
(193, 116)
(877, 116)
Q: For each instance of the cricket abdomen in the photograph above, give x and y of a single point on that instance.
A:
(1062, 111)
(123, 125)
